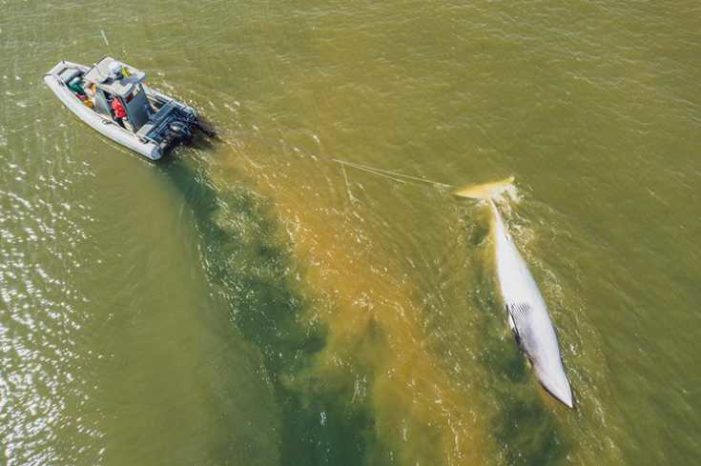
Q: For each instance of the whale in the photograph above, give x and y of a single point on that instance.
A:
(526, 311)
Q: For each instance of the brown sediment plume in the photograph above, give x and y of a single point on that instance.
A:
(375, 341)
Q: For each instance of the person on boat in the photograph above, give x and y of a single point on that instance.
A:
(118, 111)
(91, 90)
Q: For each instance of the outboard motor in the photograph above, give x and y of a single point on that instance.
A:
(180, 130)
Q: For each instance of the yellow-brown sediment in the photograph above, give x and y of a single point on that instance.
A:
(372, 322)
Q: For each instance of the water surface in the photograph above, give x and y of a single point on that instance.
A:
(253, 302)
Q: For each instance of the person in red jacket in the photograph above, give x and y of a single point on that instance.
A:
(118, 111)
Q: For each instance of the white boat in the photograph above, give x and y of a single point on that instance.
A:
(154, 122)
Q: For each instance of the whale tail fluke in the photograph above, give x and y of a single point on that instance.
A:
(486, 191)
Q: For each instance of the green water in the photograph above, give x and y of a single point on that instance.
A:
(251, 302)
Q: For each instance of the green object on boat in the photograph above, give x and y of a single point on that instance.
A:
(76, 86)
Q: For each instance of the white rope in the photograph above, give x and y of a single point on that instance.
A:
(394, 176)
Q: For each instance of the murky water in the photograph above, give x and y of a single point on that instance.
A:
(254, 302)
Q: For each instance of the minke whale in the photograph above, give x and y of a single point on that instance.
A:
(527, 313)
